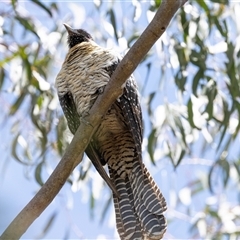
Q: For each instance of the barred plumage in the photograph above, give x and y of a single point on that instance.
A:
(139, 204)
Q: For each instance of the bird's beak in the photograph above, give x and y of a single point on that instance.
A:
(70, 30)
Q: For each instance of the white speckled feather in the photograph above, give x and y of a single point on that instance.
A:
(139, 204)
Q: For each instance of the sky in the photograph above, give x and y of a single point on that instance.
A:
(73, 220)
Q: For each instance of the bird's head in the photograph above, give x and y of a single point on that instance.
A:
(76, 36)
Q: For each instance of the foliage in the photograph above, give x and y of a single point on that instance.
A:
(191, 113)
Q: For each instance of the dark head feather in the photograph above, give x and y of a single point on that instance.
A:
(76, 36)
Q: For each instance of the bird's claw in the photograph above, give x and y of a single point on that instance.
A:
(83, 120)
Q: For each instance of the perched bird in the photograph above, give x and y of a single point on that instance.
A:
(139, 204)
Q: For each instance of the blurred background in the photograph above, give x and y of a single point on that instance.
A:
(190, 94)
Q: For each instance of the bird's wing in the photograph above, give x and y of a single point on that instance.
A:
(95, 158)
(70, 111)
(130, 105)
(73, 119)
(132, 113)
(130, 109)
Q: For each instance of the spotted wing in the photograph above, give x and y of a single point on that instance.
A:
(73, 119)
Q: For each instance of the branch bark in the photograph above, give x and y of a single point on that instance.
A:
(74, 152)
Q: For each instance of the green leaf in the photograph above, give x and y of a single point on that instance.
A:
(198, 76)
(221, 27)
(203, 5)
(178, 161)
(16, 105)
(226, 2)
(237, 166)
(224, 171)
(42, 127)
(105, 208)
(133, 37)
(185, 25)
(196, 186)
(14, 148)
(238, 54)
(190, 114)
(225, 167)
(92, 204)
(61, 127)
(198, 59)
(214, 214)
(8, 59)
(181, 55)
(43, 7)
(2, 76)
(148, 65)
(41, 65)
(225, 122)
(158, 3)
(152, 141)
(170, 154)
(234, 85)
(26, 64)
(28, 68)
(14, 2)
(211, 93)
(180, 80)
(150, 98)
(38, 171)
(113, 21)
(54, 6)
(15, 145)
(47, 226)
(238, 126)
(155, 5)
(83, 171)
(210, 178)
(50, 222)
(27, 24)
(179, 125)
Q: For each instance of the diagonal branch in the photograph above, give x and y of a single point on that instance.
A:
(113, 90)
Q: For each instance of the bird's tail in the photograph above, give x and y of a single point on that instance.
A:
(140, 206)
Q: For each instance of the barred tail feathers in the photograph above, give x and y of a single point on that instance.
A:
(127, 221)
(140, 207)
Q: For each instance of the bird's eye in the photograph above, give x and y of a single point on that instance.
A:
(99, 90)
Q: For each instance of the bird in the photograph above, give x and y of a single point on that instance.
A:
(87, 68)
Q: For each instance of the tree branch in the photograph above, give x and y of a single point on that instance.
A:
(113, 90)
